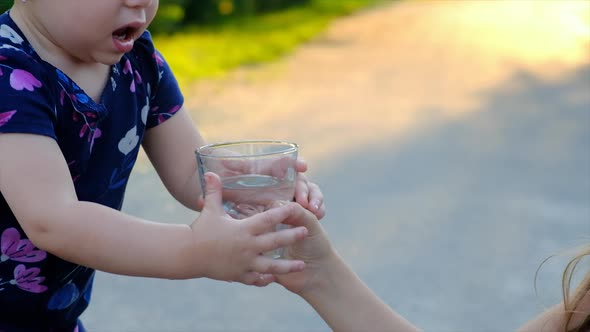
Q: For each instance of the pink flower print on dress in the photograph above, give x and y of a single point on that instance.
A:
(1, 59)
(163, 116)
(90, 127)
(28, 279)
(158, 59)
(127, 67)
(94, 135)
(62, 96)
(6, 116)
(12, 247)
(137, 77)
(23, 80)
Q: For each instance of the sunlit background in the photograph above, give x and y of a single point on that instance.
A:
(452, 143)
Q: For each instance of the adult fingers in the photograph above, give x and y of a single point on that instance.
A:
(303, 217)
(279, 239)
(267, 220)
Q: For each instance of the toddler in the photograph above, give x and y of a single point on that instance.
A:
(81, 88)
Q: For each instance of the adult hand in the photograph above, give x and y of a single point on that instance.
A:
(315, 250)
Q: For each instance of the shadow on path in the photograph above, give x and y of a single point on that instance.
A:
(447, 224)
(450, 225)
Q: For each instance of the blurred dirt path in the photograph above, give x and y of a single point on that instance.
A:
(465, 128)
(375, 75)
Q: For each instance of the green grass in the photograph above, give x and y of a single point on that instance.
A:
(212, 52)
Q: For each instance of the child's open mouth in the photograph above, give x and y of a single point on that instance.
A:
(124, 38)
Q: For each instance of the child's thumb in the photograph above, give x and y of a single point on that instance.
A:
(213, 190)
(300, 165)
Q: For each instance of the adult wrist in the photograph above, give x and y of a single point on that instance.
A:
(326, 279)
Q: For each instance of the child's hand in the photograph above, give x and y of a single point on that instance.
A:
(229, 249)
(308, 194)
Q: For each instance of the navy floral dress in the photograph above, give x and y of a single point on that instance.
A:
(100, 142)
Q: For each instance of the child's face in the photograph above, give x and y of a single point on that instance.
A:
(92, 31)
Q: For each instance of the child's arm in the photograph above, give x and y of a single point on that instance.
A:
(176, 140)
(36, 183)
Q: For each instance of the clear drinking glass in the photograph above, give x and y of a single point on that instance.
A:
(256, 175)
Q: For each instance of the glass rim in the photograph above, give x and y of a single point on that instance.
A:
(290, 147)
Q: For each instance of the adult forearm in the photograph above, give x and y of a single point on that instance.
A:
(106, 239)
(348, 305)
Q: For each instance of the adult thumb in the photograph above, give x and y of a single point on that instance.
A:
(213, 190)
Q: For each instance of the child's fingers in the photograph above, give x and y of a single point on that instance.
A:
(263, 222)
(256, 279)
(267, 265)
(302, 190)
(279, 239)
(309, 195)
(321, 212)
(274, 167)
(249, 278)
(302, 217)
(301, 165)
(264, 279)
(315, 196)
(316, 200)
(235, 165)
(280, 168)
(200, 203)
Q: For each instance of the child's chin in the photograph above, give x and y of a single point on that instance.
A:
(111, 59)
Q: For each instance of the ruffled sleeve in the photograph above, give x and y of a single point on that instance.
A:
(165, 95)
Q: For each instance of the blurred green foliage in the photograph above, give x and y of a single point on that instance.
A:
(211, 51)
(208, 38)
(176, 15)
(4, 5)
